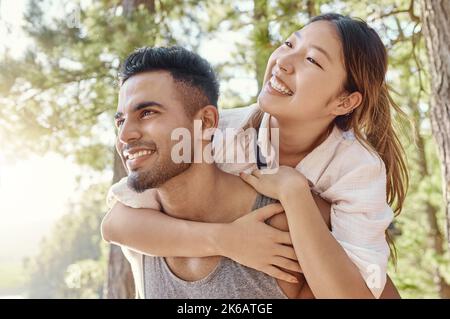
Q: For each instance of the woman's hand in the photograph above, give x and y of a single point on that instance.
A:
(252, 243)
(273, 184)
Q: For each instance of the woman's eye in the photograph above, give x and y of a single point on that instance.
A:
(289, 44)
(313, 62)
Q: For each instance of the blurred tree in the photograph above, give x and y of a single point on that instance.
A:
(120, 278)
(120, 282)
(261, 38)
(71, 262)
(61, 94)
(435, 16)
(400, 27)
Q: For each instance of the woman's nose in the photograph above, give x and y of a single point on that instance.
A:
(285, 65)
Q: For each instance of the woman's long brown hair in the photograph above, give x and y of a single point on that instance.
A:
(366, 65)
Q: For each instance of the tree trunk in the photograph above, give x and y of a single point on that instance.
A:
(120, 283)
(436, 30)
(435, 233)
(311, 8)
(261, 39)
(130, 5)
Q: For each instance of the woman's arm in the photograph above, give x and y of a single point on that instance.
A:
(328, 269)
(390, 291)
(248, 240)
(154, 233)
(280, 222)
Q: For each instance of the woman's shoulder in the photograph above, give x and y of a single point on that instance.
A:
(235, 117)
(354, 170)
(353, 153)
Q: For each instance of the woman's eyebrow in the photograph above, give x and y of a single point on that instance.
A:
(318, 48)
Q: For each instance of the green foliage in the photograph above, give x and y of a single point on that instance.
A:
(418, 261)
(61, 94)
(72, 260)
(56, 96)
(11, 278)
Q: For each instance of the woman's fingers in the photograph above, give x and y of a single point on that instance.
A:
(268, 211)
(286, 252)
(249, 179)
(283, 237)
(276, 273)
(256, 173)
(288, 264)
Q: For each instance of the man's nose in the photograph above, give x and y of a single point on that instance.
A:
(129, 132)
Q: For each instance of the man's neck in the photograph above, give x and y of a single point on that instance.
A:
(205, 193)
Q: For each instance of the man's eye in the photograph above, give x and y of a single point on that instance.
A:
(289, 44)
(119, 123)
(313, 62)
(147, 113)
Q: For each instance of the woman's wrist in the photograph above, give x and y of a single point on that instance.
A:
(218, 239)
(294, 189)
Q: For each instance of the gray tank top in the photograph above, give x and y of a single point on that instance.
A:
(229, 279)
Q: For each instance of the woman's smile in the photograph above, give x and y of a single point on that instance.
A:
(279, 86)
(275, 88)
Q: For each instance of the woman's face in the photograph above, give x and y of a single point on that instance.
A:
(305, 76)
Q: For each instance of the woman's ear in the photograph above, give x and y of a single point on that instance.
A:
(346, 104)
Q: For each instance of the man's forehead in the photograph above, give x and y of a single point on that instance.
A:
(146, 81)
(144, 86)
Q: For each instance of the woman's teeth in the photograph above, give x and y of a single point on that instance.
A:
(277, 86)
(139, 154)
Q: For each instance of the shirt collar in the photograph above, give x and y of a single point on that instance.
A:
(313, 165)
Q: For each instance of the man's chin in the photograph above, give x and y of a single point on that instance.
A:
(142, 180)
(140, 183)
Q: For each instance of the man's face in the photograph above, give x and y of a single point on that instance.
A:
(149, 110)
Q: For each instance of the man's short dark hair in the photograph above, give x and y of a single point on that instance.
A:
(193, 75)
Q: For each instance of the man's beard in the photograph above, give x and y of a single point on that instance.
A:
(155, 176)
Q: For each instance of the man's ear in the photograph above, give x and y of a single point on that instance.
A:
(346, 104)
(209, 115)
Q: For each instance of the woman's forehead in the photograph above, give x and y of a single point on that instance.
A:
(322, 34)
(324, 31)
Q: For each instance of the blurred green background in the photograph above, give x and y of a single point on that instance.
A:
(58, 91)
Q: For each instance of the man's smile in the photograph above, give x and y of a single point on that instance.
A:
(135, 158)
(133, 154)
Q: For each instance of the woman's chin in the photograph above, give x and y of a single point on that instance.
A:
(267, 105)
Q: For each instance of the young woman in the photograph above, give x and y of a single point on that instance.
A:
(325, 91)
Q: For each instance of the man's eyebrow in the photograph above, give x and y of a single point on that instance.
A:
(138, 107)
(298, 35)
(143, 105)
